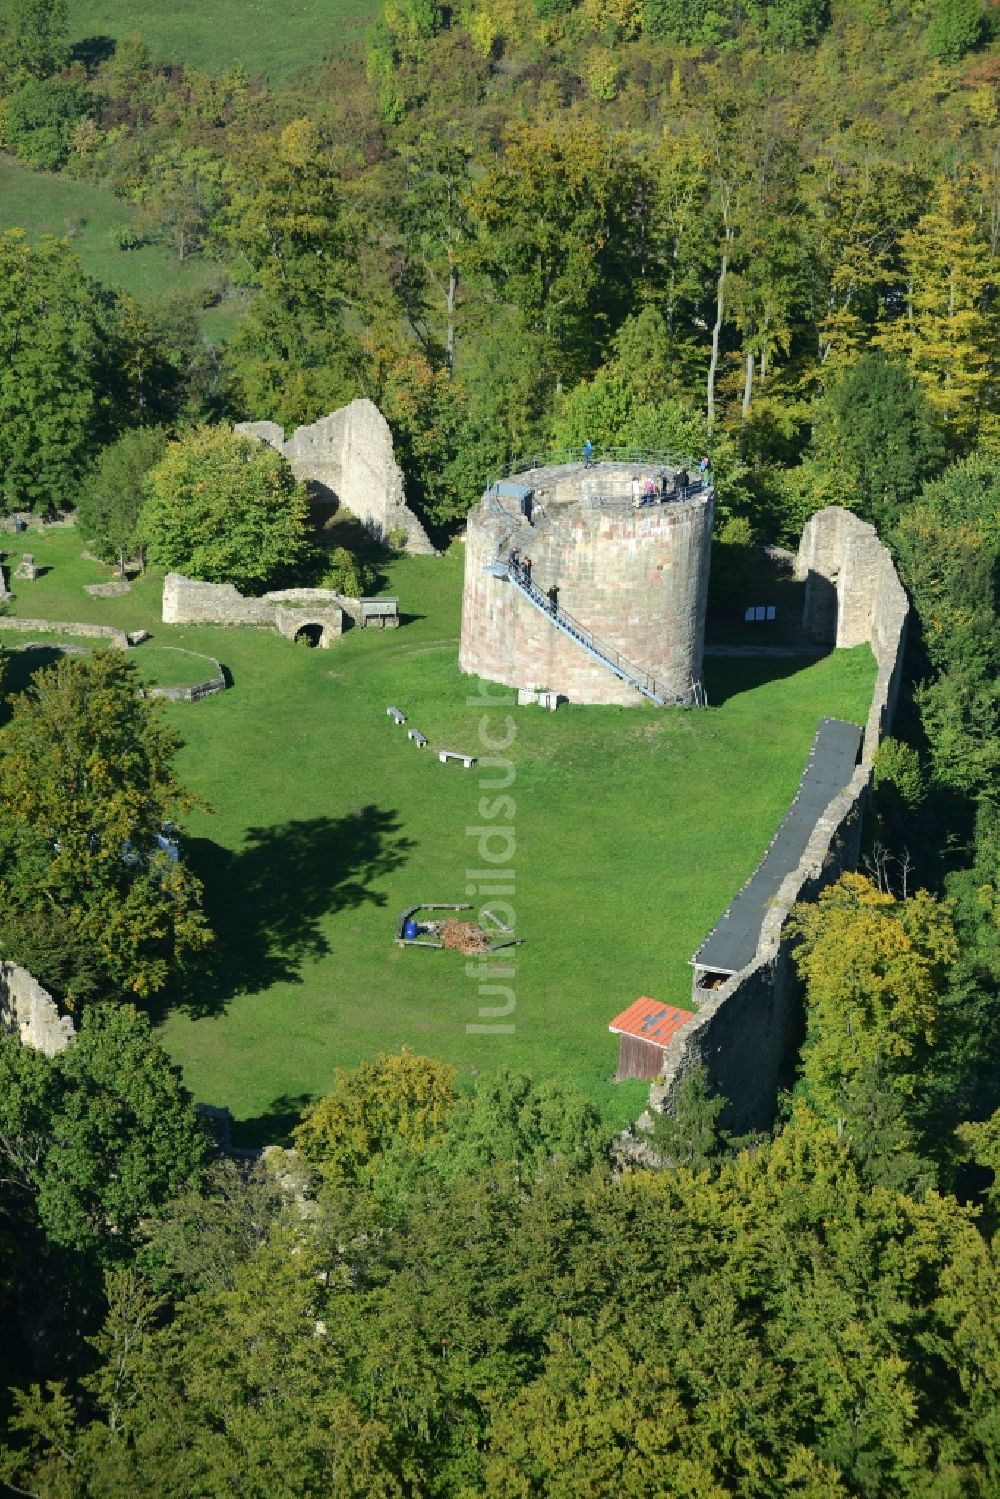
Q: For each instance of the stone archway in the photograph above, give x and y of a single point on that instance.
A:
(311, 633)
(319, 627)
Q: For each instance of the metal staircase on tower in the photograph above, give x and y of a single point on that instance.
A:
(637, 677)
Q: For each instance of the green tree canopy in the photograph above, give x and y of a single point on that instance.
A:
(945, 330)
(102, 1135)
(561, 1333)
(396, 1100)
(226, 509)
(874, 969)
(956, 27)
(111, 501)
(35, 34)
(48, 351)
(87, 788)
(550, 219)
(689, 1135)
(877, 438)
(511, 1119)
(948, 545)
(39, 119)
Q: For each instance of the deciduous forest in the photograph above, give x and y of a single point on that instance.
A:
(769, 231)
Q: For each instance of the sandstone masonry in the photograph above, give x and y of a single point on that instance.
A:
(347, 458)
(288, 610)
(119, 638)
(635, 576)
(746, 1033)
(29, 1012)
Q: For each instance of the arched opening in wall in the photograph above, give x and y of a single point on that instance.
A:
(310, 635)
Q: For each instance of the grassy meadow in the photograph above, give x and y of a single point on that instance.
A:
(263, 36)
(89, 216)
(633, 830)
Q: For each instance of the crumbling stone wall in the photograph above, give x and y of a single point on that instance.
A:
(852, 590)
(637, 578)
(213, 682)
(287, 610)
(747, 1032)
(347, 458)
(107, 633)
(28, 1011)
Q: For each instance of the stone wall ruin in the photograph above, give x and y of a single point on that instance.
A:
(289, 610)
(29, 1012)
(347, 459)
(212, 683)
(746, 1032)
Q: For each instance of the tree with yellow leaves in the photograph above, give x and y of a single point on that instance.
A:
(400, 1100)
(874, 969)
(944, 329)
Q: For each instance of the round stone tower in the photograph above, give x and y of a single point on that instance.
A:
(626, 551)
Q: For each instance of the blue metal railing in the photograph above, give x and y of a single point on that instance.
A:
(600, 491)
(642, 680)
(557, 457)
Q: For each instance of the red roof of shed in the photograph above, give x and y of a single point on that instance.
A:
(650, 1021)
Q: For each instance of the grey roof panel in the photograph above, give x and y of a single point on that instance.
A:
(732, 943)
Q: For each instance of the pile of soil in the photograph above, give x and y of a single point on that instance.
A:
(464, 936)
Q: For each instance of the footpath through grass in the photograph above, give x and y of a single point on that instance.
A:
(633, 829)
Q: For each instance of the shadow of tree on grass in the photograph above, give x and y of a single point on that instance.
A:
(266, 903)
(274, 1125)
(22, 665)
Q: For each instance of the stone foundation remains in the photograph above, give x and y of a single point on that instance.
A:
(287, 610)
(634, 575)
(213, 682)
(746, 1032)
(347, 458)
(120, 638)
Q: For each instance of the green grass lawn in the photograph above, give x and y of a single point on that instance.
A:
(263, 36)
(88, 214)
(633, 830)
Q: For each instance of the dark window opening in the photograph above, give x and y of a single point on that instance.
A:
(310, 635)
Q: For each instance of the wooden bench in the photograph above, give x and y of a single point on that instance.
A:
(395, 715)
(419, 739)
(467, 760)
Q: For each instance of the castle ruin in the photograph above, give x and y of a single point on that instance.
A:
(590, 581)
(347, 459)
(749, 1022)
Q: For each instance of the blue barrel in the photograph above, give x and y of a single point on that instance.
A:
(410, 930)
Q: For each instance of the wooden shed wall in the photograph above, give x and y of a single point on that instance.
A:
(638, 1059)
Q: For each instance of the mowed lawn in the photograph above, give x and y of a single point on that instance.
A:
(633, 829)
(275, 37)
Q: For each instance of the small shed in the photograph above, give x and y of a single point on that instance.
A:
(644, 1032)
(380, 613)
